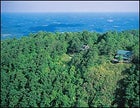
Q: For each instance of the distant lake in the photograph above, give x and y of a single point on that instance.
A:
(21, 24)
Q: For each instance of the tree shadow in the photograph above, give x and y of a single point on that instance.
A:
(120, 92)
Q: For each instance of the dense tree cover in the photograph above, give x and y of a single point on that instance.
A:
(127, 93)
(49, 69)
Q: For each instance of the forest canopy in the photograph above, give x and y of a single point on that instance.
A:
(70, 69)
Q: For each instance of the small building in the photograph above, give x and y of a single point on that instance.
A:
(84, 47)
(123, 56)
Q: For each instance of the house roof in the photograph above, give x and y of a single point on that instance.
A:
(124, 52)
(84, 47)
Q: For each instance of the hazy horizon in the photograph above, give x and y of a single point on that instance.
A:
(69, 6)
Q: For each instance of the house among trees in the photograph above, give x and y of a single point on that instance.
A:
(123, 56)
(84, 47)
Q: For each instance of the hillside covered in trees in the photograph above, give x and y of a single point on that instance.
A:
(70, 69)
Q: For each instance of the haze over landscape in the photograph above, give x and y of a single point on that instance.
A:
(96, 16)
(69, 6)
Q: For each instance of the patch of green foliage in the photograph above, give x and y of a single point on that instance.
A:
(49, 70)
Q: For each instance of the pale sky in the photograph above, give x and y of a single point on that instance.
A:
(69, 6)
